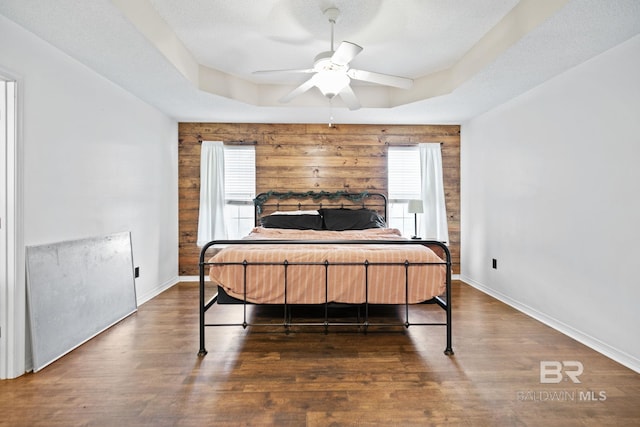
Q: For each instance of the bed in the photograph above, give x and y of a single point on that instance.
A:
(321, 249)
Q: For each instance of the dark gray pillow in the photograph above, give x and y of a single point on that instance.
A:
(298, 222)
(351, 219)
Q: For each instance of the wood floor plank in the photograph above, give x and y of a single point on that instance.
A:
(144, 371)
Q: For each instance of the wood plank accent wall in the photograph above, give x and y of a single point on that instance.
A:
(305, 157)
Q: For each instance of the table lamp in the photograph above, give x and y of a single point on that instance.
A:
(415, 207)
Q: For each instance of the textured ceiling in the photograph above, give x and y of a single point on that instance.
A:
(237, 38)
(193, 59)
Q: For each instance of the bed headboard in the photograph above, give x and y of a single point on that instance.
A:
(272, 201)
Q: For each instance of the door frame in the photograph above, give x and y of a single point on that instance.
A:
(13, 301)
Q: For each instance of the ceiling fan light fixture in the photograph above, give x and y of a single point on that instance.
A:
(332, 73)
(331, 83)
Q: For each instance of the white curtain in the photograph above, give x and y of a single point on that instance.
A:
(434, 219)
(211, 217)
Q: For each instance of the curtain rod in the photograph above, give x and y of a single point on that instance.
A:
(405, 144)
(236, 142)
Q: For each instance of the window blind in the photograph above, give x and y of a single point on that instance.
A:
(239, 173)
(403, 172)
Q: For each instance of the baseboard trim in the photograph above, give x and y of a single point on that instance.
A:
(605, 349)
(156, 291)
(191, 279)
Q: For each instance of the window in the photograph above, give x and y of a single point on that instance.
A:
(403, 172)
(240, 189)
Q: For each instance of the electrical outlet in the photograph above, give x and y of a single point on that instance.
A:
(494, 263)
(136, 272)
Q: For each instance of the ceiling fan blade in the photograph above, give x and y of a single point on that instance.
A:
(349, 98)
(382, 79)
(300, 71)
(345, 53)
(299, 90)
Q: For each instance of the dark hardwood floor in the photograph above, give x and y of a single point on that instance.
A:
(145, 372)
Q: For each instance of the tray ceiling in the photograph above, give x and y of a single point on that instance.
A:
(195, 59)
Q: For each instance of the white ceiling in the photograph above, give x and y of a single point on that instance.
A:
(193, 59)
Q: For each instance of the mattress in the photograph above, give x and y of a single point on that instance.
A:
(313, 272)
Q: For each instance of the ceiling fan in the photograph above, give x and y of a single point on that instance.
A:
(332, 74)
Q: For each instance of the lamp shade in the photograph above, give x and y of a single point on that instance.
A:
(415, 206)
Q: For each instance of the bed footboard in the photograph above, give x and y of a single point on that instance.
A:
(443, 300)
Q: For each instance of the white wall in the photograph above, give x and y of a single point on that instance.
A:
(97, 160)
(551, 189)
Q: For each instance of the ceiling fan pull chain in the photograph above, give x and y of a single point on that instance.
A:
(330, 112)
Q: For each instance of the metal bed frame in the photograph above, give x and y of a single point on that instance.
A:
(443, 302)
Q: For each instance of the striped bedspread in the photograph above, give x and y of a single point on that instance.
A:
(305, 283)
